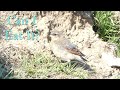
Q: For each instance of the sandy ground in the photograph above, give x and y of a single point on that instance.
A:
(76, 26)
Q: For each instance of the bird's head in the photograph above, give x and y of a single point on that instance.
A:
(55, 35)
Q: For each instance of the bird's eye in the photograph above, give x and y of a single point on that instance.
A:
(54, 34)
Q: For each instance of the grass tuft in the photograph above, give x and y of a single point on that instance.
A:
(108, 28)
(45, 67)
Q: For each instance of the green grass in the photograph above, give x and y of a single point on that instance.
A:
(108, 28)
(45, 67)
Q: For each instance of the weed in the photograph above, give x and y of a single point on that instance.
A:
(107, 28)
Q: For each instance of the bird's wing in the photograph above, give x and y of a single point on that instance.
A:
(75, 51)
(72, 49)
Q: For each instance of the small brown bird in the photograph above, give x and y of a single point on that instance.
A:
(64, 49)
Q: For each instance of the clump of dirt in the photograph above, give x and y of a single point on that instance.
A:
(76, 26)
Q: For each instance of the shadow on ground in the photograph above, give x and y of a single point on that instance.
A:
(6, 71)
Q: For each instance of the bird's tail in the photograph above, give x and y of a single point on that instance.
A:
(84, 58)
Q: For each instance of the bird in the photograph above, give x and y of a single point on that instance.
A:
(64, 49)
